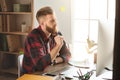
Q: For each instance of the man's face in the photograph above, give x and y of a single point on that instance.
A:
(50, 23)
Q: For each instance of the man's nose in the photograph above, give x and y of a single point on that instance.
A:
(55, 22)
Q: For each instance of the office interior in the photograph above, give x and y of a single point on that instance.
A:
(90, 29)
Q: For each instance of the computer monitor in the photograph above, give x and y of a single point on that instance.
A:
(105, 46)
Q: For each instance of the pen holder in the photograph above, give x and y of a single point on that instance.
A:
(81, 78)
(86, 76)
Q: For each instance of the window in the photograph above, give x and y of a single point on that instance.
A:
(86, 16)
(84, 26)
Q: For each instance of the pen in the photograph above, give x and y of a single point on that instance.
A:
(80, 76)
(80, 71)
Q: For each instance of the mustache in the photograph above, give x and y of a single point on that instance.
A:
(57, 33)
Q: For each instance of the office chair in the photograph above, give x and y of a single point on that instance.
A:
(20, 59)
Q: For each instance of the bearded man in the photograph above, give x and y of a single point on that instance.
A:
(44, 45)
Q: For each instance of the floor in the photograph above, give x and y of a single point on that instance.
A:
(4, 76)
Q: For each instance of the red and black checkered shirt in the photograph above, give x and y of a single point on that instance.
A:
(36, 54)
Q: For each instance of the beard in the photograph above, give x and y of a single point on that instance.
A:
(51, 30)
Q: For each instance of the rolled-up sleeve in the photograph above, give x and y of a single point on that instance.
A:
(65, 53)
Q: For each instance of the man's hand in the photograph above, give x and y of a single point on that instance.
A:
(59, 41)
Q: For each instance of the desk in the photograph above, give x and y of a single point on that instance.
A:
(53, 68)
(59, 68)
(65, 69)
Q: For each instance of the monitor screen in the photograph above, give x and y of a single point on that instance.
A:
(105, 45)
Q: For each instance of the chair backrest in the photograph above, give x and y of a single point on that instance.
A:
(20, 59)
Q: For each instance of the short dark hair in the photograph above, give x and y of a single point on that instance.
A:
(44, 11)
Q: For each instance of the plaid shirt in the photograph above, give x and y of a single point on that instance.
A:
(36, 53)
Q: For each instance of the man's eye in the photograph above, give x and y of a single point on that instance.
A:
(53, 21)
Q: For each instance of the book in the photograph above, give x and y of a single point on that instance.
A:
(9, 5)
(13, 43)
(6, 5)
(4, 44)
(0, 23)
(3, 5)
(21, 7)
(1, 43)
(35, 77)
(0, 6)
(4, 23)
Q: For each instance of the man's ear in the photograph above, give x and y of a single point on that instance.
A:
(42, 21)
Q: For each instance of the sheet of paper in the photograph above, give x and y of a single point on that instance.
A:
(107, 75)
(104, 76)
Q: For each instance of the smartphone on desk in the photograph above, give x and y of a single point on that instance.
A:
(57, 77)
(49, 74)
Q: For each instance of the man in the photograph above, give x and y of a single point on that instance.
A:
(43, 46)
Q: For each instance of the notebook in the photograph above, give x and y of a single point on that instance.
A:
(35, 77)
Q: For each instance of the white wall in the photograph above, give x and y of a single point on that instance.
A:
(106, 35)
(63, 17)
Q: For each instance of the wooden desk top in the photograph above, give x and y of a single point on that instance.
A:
(53, 68)
(57, 67)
